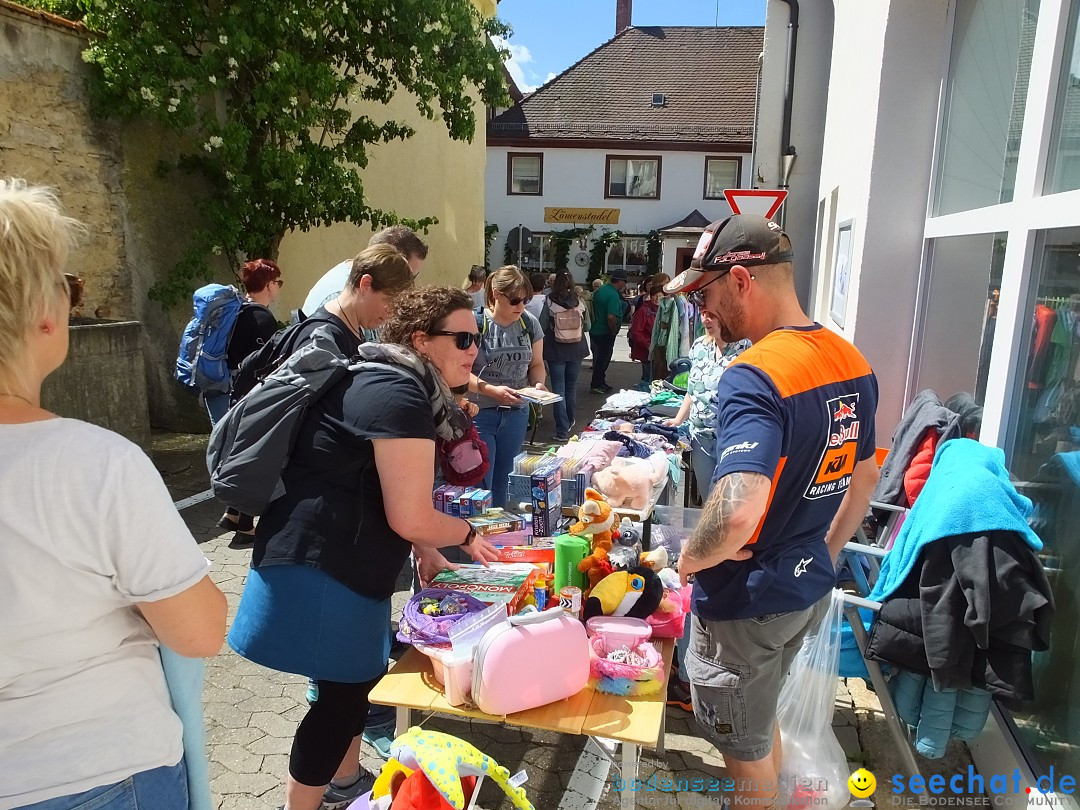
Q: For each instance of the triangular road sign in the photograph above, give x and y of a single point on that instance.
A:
(765, 202)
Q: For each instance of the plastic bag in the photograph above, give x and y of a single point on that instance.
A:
(814, 769)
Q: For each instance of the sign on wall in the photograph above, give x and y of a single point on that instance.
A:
(584, 216)
(842, 272)
(765, 202)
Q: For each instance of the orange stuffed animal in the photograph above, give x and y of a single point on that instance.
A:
(595, 521)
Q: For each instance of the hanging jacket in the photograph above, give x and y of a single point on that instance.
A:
(926, 412)
(964, 598)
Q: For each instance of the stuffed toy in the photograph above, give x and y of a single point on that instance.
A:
(595, 521)
(444, 760)
(630, 482)
(636, 592)
(657, 559)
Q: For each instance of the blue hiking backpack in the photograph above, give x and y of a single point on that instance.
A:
(201, 363)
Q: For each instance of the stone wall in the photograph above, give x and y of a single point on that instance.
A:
(103, 380)
(105, 173)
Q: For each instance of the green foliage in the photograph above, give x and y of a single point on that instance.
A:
(490, 232)
(654, 253)
(598, 252)
(561, 242)
(69, 9)
(508, 253)
(263, 92)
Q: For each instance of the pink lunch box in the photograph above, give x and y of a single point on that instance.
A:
(537, 658)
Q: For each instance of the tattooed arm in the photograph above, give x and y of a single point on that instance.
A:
(728, 521)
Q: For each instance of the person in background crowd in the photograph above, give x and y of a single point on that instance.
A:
(606, 320)
(511, 356)
(709, 358)
(564, 358)
(474, 285)
(333, 281)
(539, 295)
(641, 328)
(329, 551)
(795, 467)
(549, 283)
(255, 324)
(97, 570)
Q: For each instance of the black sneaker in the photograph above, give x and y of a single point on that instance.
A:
(678, 694)
(337, 798)
(242, 540)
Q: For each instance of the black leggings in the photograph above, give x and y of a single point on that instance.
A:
(328, 728)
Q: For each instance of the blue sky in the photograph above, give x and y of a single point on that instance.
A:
(550, 35)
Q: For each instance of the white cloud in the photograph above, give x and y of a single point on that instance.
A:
(515, 65)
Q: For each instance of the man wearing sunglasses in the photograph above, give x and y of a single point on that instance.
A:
(607, 306)
(794, 472)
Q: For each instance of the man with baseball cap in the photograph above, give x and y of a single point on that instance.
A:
(794, 472)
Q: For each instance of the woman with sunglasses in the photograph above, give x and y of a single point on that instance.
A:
(87, 593)
(511, 356)
(255, 324)
(357, 499)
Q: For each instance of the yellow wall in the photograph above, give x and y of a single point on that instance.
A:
(428, 175)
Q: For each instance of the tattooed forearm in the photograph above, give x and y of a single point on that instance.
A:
(730, 515)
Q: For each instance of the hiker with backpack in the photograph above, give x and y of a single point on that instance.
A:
(224, 329)
(357, 498)
(565, 320)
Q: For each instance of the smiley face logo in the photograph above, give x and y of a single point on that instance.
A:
(861, 783)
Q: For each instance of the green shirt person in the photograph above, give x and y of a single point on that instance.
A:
(608, 306)
(607, 318)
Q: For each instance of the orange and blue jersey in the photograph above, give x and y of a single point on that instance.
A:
(797, 407)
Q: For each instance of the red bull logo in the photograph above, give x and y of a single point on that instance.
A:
(844, 411)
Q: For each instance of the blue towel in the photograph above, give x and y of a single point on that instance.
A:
(184, 677)
(968, 490)
(1070, 462)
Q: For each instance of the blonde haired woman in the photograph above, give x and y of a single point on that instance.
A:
(511, 356)
(96, 568)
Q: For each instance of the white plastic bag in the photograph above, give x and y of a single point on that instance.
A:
(814, 769)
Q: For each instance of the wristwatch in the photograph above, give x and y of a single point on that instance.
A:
(470, 536)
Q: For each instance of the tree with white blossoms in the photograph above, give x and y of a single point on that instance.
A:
(260, 90)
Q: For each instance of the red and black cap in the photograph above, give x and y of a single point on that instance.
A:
(746, 239)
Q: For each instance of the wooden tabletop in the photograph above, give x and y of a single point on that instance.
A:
(411, 683)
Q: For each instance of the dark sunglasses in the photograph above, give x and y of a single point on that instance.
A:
(461, 339)
(697, 297)
(512, 301)
(75, 289)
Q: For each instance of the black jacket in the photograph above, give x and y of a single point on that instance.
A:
(970, 613)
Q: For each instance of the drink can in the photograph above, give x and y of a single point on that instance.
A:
(570, 600)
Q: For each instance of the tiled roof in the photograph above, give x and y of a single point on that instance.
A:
(708, 77)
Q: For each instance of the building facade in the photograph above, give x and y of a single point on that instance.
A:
(635, 137)
(943, 217)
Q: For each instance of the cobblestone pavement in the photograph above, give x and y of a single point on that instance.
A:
(252, 712)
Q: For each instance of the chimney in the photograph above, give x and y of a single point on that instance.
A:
(623, 10)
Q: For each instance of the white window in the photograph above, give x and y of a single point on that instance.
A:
(720, 173)
(631, 176)
(540, 258)
(525, 173)
(630, 254)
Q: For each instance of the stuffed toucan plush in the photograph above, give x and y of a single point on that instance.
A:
(636, 592)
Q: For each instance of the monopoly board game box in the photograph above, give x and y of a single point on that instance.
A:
(501, 583)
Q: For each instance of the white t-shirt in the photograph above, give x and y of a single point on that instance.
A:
(328, 287)
(87, 529)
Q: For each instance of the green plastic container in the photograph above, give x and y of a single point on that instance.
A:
(569, 551)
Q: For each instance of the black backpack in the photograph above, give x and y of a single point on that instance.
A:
(262, 362)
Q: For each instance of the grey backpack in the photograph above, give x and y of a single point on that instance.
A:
(251, 445)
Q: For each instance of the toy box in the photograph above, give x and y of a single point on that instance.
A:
(546, 492)
(540, 550)
(505, 584)
(496, 521)
(438, 497)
